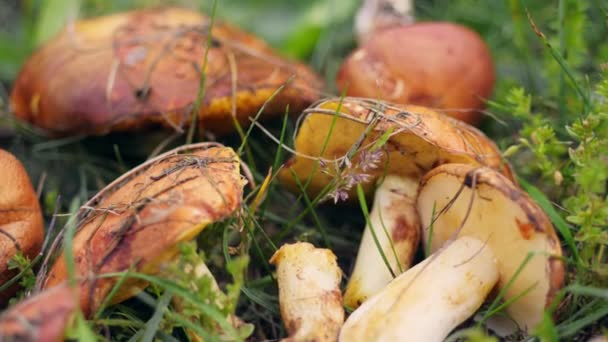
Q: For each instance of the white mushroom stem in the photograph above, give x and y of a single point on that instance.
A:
(430, 300)
(393, 231)
(309, 292)
(375, 15)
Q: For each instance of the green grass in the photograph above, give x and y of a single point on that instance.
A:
(551, 110)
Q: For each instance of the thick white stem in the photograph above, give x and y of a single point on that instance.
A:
(309, 292)
(375, 15)
(395, 224)
(428, 301)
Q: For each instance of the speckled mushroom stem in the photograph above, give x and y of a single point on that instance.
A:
(389, 239)
(429, 300)
(375, 15)
(309, 292)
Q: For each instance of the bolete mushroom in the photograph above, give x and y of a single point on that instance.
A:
(440, 65)
(309, 292)
(21, 223)
(43, 317)
(143, 68)
(483, 204)
(429, 300)
(417, 140)
(138, 220)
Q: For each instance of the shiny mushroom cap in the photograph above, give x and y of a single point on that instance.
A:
(143, 68)
(420, 139)
(439, 65)
(457, 200)
(21, 223)
(139, 219)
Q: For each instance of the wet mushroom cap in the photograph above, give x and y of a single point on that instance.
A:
(143, 68)
(514, 227)
(21, 223)
(139, 219)
(440, 65)
(421, 139)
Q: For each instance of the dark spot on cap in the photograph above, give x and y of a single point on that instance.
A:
(526, 229)
(215, 43)
(142, 93)
(468, 180)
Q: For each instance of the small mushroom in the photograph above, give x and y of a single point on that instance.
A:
(21, 223)
(143, 68)
(309, 292)
(429, 300)
(43, 317)
(138, 220)
(480, 203)
(419, 140)
(440, 65)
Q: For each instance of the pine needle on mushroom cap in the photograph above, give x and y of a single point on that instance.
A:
(143, 68)
(420, 139)
(21, 223)
(138, 220)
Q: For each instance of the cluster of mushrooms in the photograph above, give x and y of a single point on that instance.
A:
(436, 182)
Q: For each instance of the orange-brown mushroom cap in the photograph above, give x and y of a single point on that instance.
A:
(440, 65)
(21, 223)
(143, 68)
(43, 317)
(420, 139)
(139, 219)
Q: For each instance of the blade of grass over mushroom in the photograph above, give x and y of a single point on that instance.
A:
(561, 225)
(203, 80)
(429, 241)
(311, 209)
(153, 324)
(364, 209)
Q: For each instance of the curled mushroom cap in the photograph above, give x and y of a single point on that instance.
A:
(418, 139)
(43, 317)
(139, 219)
(21, 224)
(480, 203)
(143, 68)
(435, 64)
(309, 292)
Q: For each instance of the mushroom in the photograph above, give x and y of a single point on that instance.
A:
(429, 300)
(309, 292)
(138, 220)
(483, 204)
(43, 317)
(418, 139)
(21, 223)
(143, 68)
(440, 65)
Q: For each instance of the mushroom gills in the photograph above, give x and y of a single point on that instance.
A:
(309, 292)
(448, 287)
(394, 225)
(480, 203)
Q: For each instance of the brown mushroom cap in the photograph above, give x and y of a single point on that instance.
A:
(440, 65)
(421, 140)
(21, 223)
(143, 68)
(139, 219)
(43, 317)
(508, 220)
